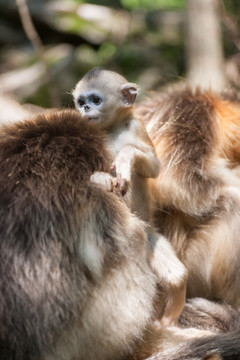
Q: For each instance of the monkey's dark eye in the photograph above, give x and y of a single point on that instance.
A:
(96, 100)
(81, 102)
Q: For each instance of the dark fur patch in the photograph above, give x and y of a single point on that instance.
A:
(93, 73)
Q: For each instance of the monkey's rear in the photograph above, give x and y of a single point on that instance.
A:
(60, 238)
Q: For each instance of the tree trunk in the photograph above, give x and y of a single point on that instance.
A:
(205, 59)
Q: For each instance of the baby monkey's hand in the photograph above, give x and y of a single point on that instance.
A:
(121, 183)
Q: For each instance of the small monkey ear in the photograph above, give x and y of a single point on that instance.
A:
(129, 92)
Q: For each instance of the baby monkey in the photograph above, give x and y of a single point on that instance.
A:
(107, 99)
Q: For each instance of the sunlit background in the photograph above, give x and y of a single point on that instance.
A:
(145, 40)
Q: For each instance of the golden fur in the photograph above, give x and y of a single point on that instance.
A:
(196, 197)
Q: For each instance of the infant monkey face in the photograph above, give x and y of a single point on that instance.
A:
(90, 105)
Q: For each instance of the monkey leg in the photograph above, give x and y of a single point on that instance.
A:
(172, 275)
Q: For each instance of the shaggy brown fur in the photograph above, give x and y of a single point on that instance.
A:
(74, 279)
(196, 197)
(61, 238)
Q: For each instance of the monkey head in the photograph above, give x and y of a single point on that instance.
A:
(104, 97)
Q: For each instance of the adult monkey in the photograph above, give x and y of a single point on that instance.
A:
(197, 194)
(63, 243)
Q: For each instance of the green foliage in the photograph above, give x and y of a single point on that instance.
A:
(233, 6)
(152, 4)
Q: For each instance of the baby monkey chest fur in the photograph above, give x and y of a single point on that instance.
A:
(120, 136)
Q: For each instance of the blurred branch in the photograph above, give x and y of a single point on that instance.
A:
(37, 45)
(29, 27)
(23, 82)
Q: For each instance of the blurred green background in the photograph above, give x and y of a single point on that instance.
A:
(145, 40)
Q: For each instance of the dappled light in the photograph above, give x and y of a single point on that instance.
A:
(146, 41)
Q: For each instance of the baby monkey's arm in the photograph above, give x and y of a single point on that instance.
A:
(138, 155)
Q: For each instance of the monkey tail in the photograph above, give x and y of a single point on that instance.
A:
(208, 315)
(218, 347)
(221, 319)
